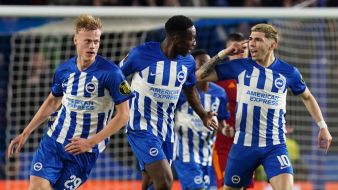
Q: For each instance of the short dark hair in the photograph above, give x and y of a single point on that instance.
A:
(178, 24)
(235, 37)
(198, 52)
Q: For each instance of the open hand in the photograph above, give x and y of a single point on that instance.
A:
(16, 145)
(210, 121)
(324, 139)
(78, 145)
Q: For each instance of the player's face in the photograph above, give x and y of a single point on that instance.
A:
(201, 60)
(245, 53)
(87, 43)
(260, 46)
(185, 43)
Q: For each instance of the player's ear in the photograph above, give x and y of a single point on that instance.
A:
(273, 45)
(75, 40)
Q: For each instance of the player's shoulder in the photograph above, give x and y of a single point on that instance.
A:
(285, 67)
(67, 65)
(187, 60)
(216, 89)
(242, 61)
(147, 47)
(104, 64)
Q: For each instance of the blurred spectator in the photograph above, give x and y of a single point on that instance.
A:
(72, 2)
(332, 3)
(21, 2)
(112, 2)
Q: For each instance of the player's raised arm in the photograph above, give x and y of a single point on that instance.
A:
(324, 136)
(207, 71)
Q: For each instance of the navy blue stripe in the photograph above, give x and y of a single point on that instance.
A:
(261, 79)
(60, 123)
(178, 69)
(85, 92)
(243, 124)
(147, 112)
(280, 124)
(137, 115)
(75, 84)
(72, 126)
(166, 73)
(101, 90)
(269, 127)
(275, 76)
(152, 74)
(256, 125)
(247, 77)
(86, 125)
(159, 116)
(190, 143)
(180, 142)
(169, 127)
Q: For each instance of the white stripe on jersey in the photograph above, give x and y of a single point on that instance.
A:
(195, 142)
(64, 130)
(69, 83)
(165, 120)
(263, 125)
(173, 71)
(159, 72)
(239, 107)
(250, 111)
(81, 87)
(185, 140)
(153, 120)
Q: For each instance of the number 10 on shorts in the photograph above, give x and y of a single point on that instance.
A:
(284, 161)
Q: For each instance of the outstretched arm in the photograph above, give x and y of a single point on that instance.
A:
(80, 145)
(324, 136)
(194, 101)
(207, 71)
(50, 105)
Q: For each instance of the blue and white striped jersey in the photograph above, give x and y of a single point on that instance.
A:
(88, 99)
(193, 141)
(157, 82)
(261, 99)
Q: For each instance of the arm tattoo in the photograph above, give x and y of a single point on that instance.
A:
(210, 66)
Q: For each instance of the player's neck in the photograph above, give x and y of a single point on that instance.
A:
(267, 60)
(167, 49)
(82, 64)
(203, 86)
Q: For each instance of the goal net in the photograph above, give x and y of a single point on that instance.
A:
(309, 44)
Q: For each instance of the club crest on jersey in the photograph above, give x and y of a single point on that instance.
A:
(153, 151)
(235, 179)
(198, 179)
(91, 87)
(280, 83)
(37, 166)
(124, 88)
(181, 76)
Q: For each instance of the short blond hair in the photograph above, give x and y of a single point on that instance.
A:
(87, 22)
(269, 31)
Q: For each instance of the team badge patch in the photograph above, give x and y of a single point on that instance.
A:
(153, 151)
(235, 179)
(280, 83)
(37, 166)
(125, 88)
(91, 87)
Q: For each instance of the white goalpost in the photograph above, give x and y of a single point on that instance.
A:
(308, 40)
